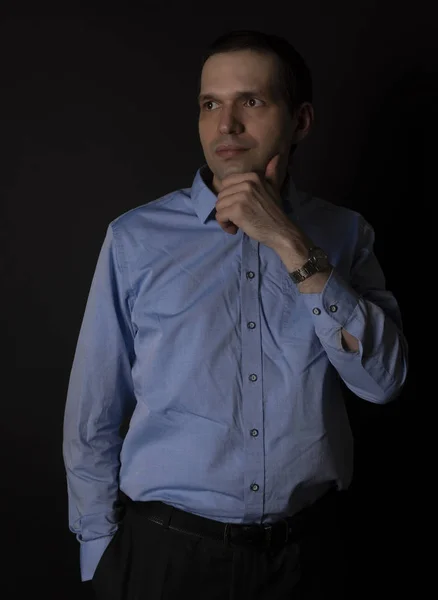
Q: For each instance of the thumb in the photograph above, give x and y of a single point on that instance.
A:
(271, 172)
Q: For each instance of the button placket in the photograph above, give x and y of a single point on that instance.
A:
(252, 405)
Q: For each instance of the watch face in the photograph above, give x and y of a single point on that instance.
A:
(319, 258)
(318, 253)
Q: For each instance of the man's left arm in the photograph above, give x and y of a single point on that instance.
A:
(358, 322)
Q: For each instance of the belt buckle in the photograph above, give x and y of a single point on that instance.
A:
(242, 533)
(267, 534)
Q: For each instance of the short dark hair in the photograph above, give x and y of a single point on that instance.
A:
(294, 75)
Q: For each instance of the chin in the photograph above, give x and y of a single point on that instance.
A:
(231, 166)
(235, 167)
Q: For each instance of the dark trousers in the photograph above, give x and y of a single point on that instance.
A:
(149, 561)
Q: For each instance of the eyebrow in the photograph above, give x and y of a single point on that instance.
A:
(242, 94)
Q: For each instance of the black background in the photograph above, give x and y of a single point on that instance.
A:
(99, 115)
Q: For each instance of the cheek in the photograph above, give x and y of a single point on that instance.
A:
(206, 135)
(274, 142)
(272, 132)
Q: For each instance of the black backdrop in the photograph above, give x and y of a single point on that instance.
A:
(99, 115)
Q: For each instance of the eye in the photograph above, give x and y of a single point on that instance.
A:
(213, 102)
(208, 102)
(255, 99)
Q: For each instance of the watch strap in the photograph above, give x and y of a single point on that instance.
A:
(310, 267)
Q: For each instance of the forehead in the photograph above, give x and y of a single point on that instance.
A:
(238, 69)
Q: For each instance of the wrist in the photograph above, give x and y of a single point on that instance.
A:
(308, 265)
(293, 251)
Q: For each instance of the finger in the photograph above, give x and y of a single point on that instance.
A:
(226, 224)
(237, 178)
(229, 227)
(245, 185)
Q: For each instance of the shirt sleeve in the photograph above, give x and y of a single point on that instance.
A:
(100, 393)
(368, 311)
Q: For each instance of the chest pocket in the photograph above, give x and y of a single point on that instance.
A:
(296, 320)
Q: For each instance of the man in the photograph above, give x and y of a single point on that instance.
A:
(221, 320)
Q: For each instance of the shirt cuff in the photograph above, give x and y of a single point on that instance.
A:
(334, 306)
(90, 554)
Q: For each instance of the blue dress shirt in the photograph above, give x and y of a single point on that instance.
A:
(231, 375)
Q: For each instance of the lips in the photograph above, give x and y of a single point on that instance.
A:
(225, 148)
(225, 152)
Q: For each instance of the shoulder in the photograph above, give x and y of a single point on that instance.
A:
(148, 215)
(146, 210)
(317, 209)
(316, 205)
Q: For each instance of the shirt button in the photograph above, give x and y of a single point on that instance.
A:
(254, 487)
(254, 432)
(250, 275)
(251, 325)
(253, 377)
(316, 311)
(333, 308)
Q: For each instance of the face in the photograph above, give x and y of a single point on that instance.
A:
(240, 104)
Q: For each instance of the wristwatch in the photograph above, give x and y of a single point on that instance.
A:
(317, 262)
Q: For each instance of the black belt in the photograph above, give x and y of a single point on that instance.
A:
(277, 534)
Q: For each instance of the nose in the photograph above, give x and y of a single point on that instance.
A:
(229, 122)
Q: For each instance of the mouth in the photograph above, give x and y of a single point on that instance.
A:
(230, 151)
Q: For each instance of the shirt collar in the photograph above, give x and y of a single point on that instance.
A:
(204, 199)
